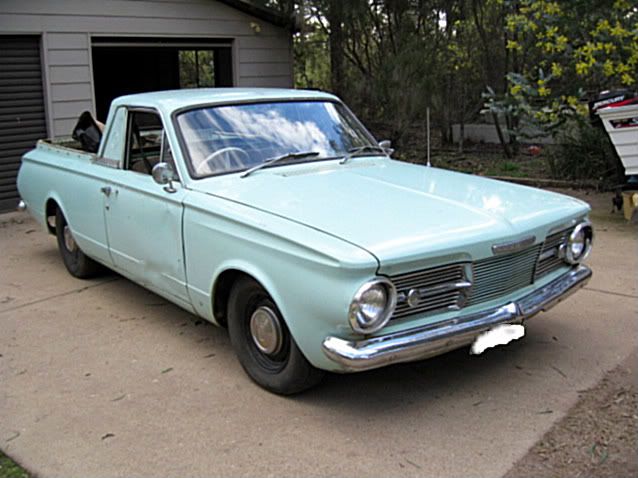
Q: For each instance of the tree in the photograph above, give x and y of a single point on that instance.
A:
(571, 50)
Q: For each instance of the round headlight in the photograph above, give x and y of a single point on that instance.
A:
(579, 243)
(372, 306)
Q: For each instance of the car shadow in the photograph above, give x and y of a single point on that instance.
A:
(414, 384)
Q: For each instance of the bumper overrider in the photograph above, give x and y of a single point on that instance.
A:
(434, 339)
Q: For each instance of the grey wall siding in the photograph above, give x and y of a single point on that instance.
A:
(261, 58)
(70, 82)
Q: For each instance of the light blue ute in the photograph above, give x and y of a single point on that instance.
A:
(276, 213)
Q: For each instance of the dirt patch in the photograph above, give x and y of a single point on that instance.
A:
(598, 436)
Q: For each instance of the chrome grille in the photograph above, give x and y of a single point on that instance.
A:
(501, 275)
(438, 288)
(448, 287)
(549, 259)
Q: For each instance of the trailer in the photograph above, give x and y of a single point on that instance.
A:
(621, 123)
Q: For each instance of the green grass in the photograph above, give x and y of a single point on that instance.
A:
(505, 168)
(484, 163)
(9, 469)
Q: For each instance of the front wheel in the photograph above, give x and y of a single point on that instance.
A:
(263, 343)
(76, 262)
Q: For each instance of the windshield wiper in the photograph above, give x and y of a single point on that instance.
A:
(368, 147)
(283, 157)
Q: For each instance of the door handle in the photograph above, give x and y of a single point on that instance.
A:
(106, 190)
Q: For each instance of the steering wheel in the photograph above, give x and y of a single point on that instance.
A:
(230, 157)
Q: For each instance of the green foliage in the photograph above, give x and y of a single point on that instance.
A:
(392, 60)
(312, 68)
(584, 151)
(196, 68)
(570, 50)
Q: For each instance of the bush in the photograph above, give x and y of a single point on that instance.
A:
(584, 152)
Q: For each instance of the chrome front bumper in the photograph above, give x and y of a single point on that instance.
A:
(441, 337)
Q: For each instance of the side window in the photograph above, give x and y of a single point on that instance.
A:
(167, 154)
(114, 146)
(144, 141)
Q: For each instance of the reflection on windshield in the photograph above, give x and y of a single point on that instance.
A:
(235, 138)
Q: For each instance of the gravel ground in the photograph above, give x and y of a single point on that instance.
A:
(598, 437)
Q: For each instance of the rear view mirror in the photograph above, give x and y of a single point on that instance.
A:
(163, 174)
(386, 145)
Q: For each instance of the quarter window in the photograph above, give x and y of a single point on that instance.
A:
(114, 145)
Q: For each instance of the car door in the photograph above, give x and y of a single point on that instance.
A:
(143, 218)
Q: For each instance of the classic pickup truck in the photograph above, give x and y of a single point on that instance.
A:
(276, 214)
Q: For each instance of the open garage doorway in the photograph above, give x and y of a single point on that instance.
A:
(124, 66)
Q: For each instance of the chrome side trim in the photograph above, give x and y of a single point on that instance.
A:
(513, 246)
(109, 163)
(441, 337)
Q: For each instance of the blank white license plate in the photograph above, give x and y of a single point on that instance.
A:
(500, 335)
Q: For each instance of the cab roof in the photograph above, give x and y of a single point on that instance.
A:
(173, 100)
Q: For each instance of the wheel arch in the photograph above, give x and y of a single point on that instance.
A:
(224, 281)
(51, 206)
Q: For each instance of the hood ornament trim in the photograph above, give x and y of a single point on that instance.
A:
(513, 246)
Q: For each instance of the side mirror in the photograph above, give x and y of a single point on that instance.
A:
(164, 175)
(386, 145)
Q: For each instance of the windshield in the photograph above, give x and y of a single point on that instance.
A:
(223, 139)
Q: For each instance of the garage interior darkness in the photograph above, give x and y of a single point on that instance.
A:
(132, 65)
(22, 118)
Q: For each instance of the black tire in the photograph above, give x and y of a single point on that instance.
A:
(76, 262)
(285, 372)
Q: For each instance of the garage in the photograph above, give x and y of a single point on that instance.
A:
(58, 59)
(166, 64)
(22, 117)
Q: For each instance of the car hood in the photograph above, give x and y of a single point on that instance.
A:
(400, 211)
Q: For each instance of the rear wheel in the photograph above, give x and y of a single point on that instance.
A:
(77, 263)
(263, 343)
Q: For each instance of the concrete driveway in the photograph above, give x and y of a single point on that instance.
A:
(104, 379)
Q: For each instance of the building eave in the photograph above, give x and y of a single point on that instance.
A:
(265, 14)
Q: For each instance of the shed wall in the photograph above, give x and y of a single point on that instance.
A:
(262, 58)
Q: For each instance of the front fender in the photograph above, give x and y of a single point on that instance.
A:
(310, 275)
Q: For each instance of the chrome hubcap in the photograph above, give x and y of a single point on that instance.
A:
(69, 242)
(265, 330)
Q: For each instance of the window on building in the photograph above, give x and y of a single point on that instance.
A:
(196, 68)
